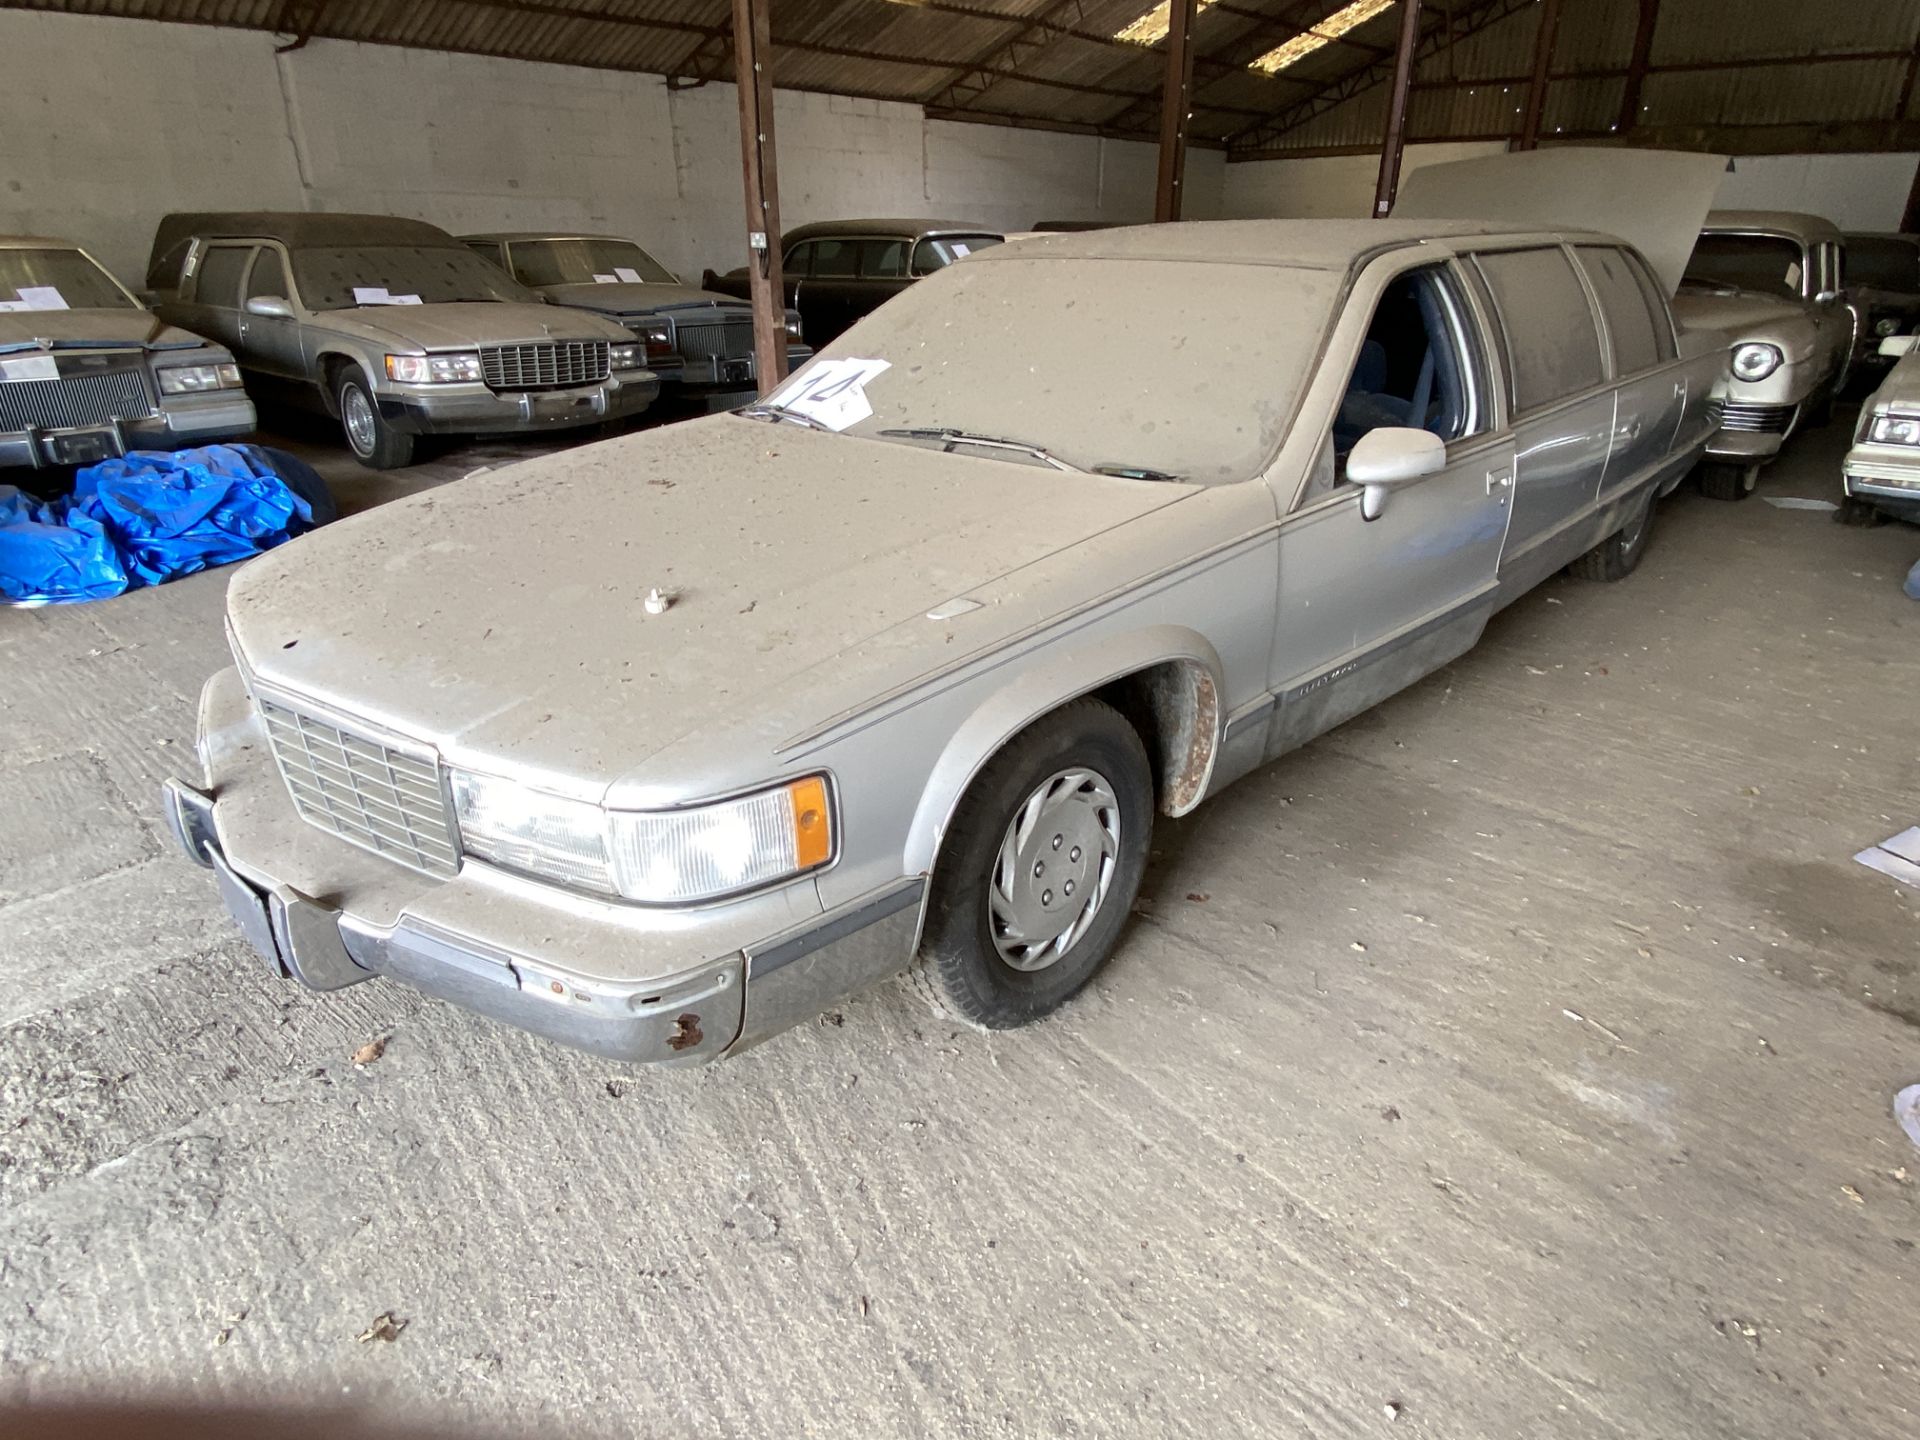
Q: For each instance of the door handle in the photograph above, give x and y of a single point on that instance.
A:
(1498, 480)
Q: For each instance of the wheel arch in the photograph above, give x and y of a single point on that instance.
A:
(330, 362)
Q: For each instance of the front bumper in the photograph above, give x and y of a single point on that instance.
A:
(674, 987)
(1886, 476)
(476, 410)
(183, 421)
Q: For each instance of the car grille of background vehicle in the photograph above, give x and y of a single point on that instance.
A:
(384, 800)
(1760, 419)
(73, 400)
(545, 366)
(729, 340)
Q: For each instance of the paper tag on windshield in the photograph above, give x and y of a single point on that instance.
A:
(404, 300)
(38, 297)
(626, 276)
(1793, 275)
(960, 249)
(833, 392)
(29, 367)
(606, 279)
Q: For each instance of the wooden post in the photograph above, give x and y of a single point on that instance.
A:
(1542, 64)
(1394, 141)
(1637, 66)
(753, 79)
(1175, 99)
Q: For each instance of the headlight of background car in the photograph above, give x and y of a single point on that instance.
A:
(627, 357)
(793, 323)
(1895, 430)
(659, 857)
(657, 336)
(186, 379)
(1755, 361)
(1886, 327)
(434, 369)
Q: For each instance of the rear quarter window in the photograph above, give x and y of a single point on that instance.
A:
(1553, 344)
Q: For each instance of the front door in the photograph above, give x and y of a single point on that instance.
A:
(273, 343)
(1369, 606)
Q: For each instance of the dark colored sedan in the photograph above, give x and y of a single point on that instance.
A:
(1883, 281)
(839, 270)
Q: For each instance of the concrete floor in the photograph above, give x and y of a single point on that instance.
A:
(1515, 1061)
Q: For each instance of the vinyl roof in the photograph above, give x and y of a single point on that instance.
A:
(1797, 76)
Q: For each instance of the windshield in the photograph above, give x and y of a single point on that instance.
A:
(586, 262)
(1771, 264)
(1153, 366)
(939, 251)
(1884, 264)
(57, 280)
(341, 277)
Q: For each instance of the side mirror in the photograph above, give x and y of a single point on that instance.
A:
(1826, 297)
(274, 307)
(1894, 346)
(1392, 456)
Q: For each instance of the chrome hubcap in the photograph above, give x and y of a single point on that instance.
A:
(356, 413)
(1054, 869)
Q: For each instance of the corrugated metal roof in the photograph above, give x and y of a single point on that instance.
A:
(1059, 62)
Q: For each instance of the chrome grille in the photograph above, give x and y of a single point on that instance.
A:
(544, 366)
(731, 339)
(1760, 419)
(73, 400)
(381, 799)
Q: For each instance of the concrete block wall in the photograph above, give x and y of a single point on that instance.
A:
(105, 124)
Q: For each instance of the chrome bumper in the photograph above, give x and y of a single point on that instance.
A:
(181, 422)
(476, 410)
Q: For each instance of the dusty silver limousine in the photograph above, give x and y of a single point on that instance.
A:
(660, 746)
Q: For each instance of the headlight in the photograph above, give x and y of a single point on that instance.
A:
(793, 323)
(434, 369)
(1886, 327)
(1895, 430)
(659, 857)
(657, 335)
(1755, 361)
(627, 357)
(186, 379)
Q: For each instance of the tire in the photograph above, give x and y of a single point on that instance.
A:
(1728, 482)
(1856, 512)
(374, 442)
(991, 951)
(1617, 556)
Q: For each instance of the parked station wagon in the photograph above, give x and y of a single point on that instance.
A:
(699, 342)
(87, 374)
(839, 270)
(1772, 283)
(665, 744)
(393, 327)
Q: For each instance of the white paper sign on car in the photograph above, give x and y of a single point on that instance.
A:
(831, 392)
(606, 279)
(377, 295)
(35, 297)
(630, 276)
(29, 367)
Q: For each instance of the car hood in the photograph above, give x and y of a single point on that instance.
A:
(625, 299)
(1900, 390)
(467, 324)
(501, 618)
(91, 329)
(1656, 200)
(1742, 315)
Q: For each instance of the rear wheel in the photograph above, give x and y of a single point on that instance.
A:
(374, 442)
(1039, 870)
(1728, 482)
(1855, 511)
(1616, 557)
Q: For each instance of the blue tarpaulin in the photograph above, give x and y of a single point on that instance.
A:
(152, 516)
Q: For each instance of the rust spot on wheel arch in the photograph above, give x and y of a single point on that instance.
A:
(686, 1033)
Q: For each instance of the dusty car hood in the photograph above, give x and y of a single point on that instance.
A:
(464, 325)
(1747, 315)
(624, 299)
(132, 329)
(1656, 200)
(1900, 390)
(500, 618)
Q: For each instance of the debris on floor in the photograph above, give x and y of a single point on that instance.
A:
(369, 1052)
(384, 1327)
(1906, 1109)
(1897, 856)
(1796, 502)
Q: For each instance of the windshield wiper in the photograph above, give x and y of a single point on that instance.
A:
(781, 414)
(949, 438)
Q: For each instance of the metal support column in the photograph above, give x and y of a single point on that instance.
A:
(1542, 64)
(1176, 98)
(753, 79)
(1396, 137)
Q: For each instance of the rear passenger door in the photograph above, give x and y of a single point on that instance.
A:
(1651, 386)
(1562, 403)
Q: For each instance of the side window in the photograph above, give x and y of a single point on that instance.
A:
(489, 250)
(883, 259)
(269, 275)
(1415, 367)
(1836, 266)
(219, 276)
(799, 262)
(1630, 324)
(1655, 294)
(835, 259)
(1553, 345)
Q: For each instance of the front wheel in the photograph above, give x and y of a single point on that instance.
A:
(1617, 556)
(1728, 482)
(1038, 871)
(374, 442)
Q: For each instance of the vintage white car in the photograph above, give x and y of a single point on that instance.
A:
(1882, 473)
(663, 745)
